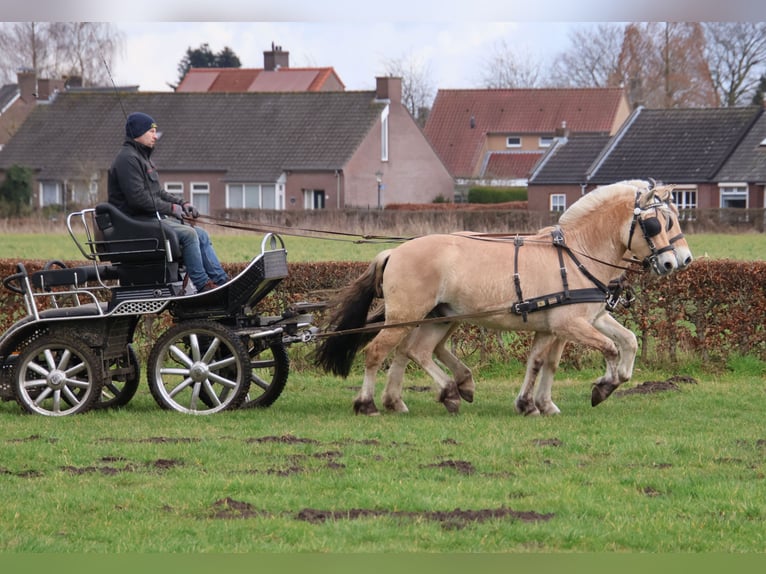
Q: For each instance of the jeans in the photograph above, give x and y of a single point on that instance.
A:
(201, 262)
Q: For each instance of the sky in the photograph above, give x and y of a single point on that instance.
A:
(453, 39)
(454, 55)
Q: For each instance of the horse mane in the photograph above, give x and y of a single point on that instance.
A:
(594, 200)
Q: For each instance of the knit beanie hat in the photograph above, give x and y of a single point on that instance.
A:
(138, 124)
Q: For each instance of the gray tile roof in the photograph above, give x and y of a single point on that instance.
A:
(748, 162)
(568, 160)
(678, 145)
(251, 136)
(7, 94)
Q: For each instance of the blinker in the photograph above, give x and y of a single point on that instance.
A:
(652, 226)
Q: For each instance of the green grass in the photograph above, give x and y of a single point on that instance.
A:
(674, 471)
(242, 247)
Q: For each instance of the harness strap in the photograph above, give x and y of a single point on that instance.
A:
(589, 295)
(517, 243)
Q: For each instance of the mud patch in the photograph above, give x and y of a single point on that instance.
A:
(648, 387)
(21, 473)
(228, 508)
(160, 464)
(461, 466)
(449, 519)
(547, 442)
(284, 439)
(152, 440)
(32, 438)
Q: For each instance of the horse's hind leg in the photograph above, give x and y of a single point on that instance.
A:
(550, 363)
(375, 353)
(392, 395)
(466, 386)
(421, 348)
(538, 352)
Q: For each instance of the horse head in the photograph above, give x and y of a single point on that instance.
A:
(683, 252)
(653, 216)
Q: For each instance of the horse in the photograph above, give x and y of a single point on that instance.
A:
(430, 284)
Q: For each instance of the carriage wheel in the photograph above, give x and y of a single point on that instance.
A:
(57, 376)
(268, 377)
(199, 367)
(122, 381)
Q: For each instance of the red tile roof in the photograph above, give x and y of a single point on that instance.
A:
(460, 120)
(256, 80)
(510, 165)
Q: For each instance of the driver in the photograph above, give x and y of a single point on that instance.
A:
(134, 188)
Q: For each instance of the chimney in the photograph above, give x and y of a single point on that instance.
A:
(275, 59)
(388, 88)
(563, 131)
(27, 80)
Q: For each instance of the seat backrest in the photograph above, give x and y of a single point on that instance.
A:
(122, 238)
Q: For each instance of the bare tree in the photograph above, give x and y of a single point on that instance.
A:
(509, 69)
(592, 59)
(58, 49)
(417, 85)
(663, 65)
(736, 52)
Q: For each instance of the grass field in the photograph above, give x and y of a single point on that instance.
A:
(243, 246)
(679, 470)
(674, 466)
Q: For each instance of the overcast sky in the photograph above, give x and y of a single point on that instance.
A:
(452, 38)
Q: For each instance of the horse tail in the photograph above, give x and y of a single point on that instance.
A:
(335, 353)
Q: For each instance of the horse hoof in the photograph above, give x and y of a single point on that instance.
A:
(526, 408)
(601, 392)
(365, 408)
(466, 394)
(396, 406)
(450, 398)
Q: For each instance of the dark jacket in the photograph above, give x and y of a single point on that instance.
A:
(134, 184)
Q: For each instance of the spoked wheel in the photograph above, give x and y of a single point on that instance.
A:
(270, 366)
(122, 378)
(200, 368)
(57, 376)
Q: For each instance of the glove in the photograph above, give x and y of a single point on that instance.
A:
(190, 210)
(177, 211)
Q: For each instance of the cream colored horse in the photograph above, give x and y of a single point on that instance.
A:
(554, 283)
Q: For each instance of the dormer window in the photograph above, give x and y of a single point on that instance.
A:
(513, 141)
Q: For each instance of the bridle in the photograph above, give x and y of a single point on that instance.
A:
(650, 228)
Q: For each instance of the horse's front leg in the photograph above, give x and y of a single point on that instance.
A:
(424, 342)
(541, 344)
(462, 375)
(392, 395)
(551, 361)
(627, 346)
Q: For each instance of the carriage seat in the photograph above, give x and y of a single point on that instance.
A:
(143, 250)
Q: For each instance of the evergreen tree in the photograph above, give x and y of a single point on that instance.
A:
(759, 91)
(16, 190)
(204, 57)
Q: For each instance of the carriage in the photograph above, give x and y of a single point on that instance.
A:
(75, 350)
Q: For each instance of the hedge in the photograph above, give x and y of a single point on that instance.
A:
(713, 310)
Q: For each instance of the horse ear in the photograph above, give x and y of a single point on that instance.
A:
(648, 197)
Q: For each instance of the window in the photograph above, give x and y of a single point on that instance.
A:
(243, 196)
(735, 196)
(545, 141)
(513, 141)
(313, 199)
(384, 135)
(50, 193)
(269, 196)
(558, 202)
(685, 200)
(200, 197)
(176, 188)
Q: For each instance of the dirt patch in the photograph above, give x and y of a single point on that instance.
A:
(228, 508)
(21, 473)
(284, 439)
(648, 387)
(547, 442)
(461, 466)
(32, 438)
(161, 464)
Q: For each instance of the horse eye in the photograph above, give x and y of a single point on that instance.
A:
(652, 226)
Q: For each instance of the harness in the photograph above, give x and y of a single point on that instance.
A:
(611, 294)
(600, 293)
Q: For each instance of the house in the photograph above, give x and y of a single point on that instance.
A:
(18, 100)
(742, 178)
(223, 151)
(276, 76)
(686, 147)
(496, 136)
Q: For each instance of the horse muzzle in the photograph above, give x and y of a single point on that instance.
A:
(662, 263)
